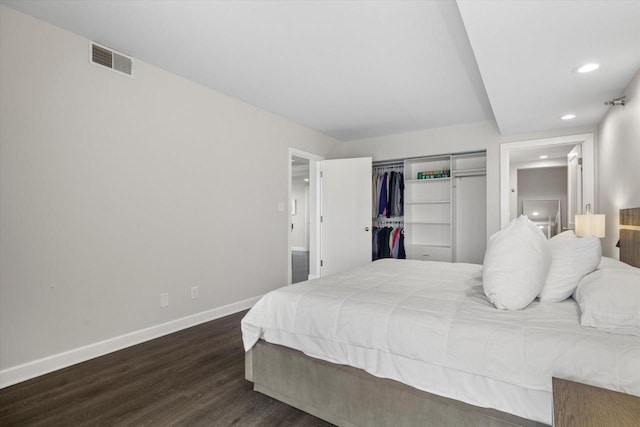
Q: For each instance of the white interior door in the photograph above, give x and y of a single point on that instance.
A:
(470, 218)
(345, 199)
(574, 185)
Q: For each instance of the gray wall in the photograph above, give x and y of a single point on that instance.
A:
(541, 184)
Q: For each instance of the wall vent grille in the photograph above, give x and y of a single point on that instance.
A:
(105, 57)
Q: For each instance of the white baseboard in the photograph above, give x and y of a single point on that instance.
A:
(52, 363)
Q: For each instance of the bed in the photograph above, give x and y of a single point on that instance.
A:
(418, 343)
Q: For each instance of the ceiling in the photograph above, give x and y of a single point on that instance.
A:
(359, 69)
(527, 51)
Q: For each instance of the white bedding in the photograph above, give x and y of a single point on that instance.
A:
(429, 325)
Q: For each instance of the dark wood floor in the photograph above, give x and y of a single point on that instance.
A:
(193, 377)
(299, 266)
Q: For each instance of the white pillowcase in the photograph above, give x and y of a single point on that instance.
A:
(607, 262)
(515, 265)
(572, 258)
(610, 300)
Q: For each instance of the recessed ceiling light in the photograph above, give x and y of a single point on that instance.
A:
(587, 68)
(544, 156)
(306, 180)
(568, 117)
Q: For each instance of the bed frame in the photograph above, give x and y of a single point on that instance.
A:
(348, 396)
(630, 236)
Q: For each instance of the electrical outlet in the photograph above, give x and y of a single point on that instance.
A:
(194, 292)
(164, 300)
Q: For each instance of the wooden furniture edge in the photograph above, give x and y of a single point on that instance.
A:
(577, 404)
(630, 238)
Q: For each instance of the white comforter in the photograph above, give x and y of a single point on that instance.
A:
(421, 315)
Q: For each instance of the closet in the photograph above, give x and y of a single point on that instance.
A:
(444, 207)
(387, 234)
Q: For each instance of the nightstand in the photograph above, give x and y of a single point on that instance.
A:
(581, 405)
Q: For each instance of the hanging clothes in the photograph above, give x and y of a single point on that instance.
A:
(387, 236)
(395, 203)
(387, 194)
(387, 242)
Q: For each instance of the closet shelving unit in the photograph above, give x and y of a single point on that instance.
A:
(428, 209)
(469, 164)
(429, 203)
(469, 214)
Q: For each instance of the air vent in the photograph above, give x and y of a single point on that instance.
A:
(105, 57)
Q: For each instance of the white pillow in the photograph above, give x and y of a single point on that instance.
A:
(515, 265)
(609, 300)
(607, 262)
(572, 258)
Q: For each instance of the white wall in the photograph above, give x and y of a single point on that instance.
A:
(114, 190)
(619, 163)
(453, 139)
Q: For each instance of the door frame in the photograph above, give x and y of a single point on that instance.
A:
(588, 168)
(314, 211)
(576, 152)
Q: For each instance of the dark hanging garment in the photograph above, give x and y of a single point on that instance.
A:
(400, 197)
(374, 243)
(392, 195)
(379, 238)
(384, 242)
(401, 253)
(382, 207)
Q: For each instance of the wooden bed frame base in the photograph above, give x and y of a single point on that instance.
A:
(630, 236)
(347, 396)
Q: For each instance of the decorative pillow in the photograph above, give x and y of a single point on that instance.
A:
(609, 300)
(607, 262)
(515, 265)
(572, 258)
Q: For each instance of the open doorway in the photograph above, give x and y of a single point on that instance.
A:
(543, 162)
(539, 185)
(300, 215)
(304, 214)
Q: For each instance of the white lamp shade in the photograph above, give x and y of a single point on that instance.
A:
(590, 225)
